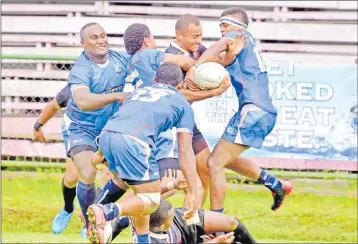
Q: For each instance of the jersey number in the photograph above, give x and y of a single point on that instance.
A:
(259, 59)
(150, 94)
(134, 79)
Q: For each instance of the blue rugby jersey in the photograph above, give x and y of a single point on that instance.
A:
(149, 111)
(143, 67)
(100, 79)
(249, 77)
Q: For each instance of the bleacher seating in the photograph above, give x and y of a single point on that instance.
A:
(308, 31)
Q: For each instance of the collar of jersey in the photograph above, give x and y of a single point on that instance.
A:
(99, 65)
(165, 86)
(175, 45)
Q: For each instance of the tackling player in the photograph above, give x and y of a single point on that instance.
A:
(128, 142)
(96, 82)
(255, 118)
(140, 43)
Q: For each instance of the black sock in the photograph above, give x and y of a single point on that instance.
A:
(69, 195)
(242, 235)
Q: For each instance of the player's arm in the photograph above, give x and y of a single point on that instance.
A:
(198, 95)
(226, 58)
(172, 186)
(188, 167)
(184, 62)
(226, 238)
(226, 44)
(58, 102)
(187, 159)
(232, 46)
(86, 100)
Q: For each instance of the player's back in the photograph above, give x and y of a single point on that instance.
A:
(249, 77)
(149, 111)
(143, 67)
(100, 79)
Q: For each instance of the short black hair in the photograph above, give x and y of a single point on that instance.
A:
(85, 27)
(185, 20)
(169, 73)
(134, 37)
(158, 217)
(238, 13)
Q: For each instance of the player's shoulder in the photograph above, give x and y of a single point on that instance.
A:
(144, 54)
(182, 102)
(120, 55)
(201, 49)
(82, 65)
(174, 49)
(152, 51)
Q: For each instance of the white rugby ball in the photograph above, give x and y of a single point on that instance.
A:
(209, 75)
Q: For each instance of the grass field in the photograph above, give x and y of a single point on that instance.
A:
(318, 211)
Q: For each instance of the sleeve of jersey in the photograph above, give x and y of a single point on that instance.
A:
(79, 76)
(231, 34)
(156, 57)
(63, 96)
(186, 123)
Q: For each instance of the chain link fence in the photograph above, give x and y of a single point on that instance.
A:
(27, 86)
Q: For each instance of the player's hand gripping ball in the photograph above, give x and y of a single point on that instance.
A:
(209, 75)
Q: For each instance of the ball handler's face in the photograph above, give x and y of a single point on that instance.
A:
(191, 37)
(95, 41)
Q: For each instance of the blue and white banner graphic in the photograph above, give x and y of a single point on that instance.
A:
(317, 112)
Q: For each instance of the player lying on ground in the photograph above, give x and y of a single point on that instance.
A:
(70, 177)
(146, 59)
(167, 225)
(96, 81)
(128, 142)
(254, 120)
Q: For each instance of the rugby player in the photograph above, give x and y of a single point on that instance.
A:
(140, 43)
(128, 142)
(254, 120)
(96, 82)
(188, 43)
(167, 225)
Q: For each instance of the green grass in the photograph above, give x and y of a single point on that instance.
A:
(31, 200)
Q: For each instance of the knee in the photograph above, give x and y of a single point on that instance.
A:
(212, 166)
(87, 173)
(205, 181)
(151, 202)
(70, 178)
(232, 222)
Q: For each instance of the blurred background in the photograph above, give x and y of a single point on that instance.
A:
(310, 51)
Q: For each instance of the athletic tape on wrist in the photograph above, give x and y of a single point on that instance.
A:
(37, 125)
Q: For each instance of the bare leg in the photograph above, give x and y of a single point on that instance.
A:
(224, 153)
(203, 172)
(245, 167)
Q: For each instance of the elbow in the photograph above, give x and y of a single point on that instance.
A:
(190, 99)
(82, 104)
